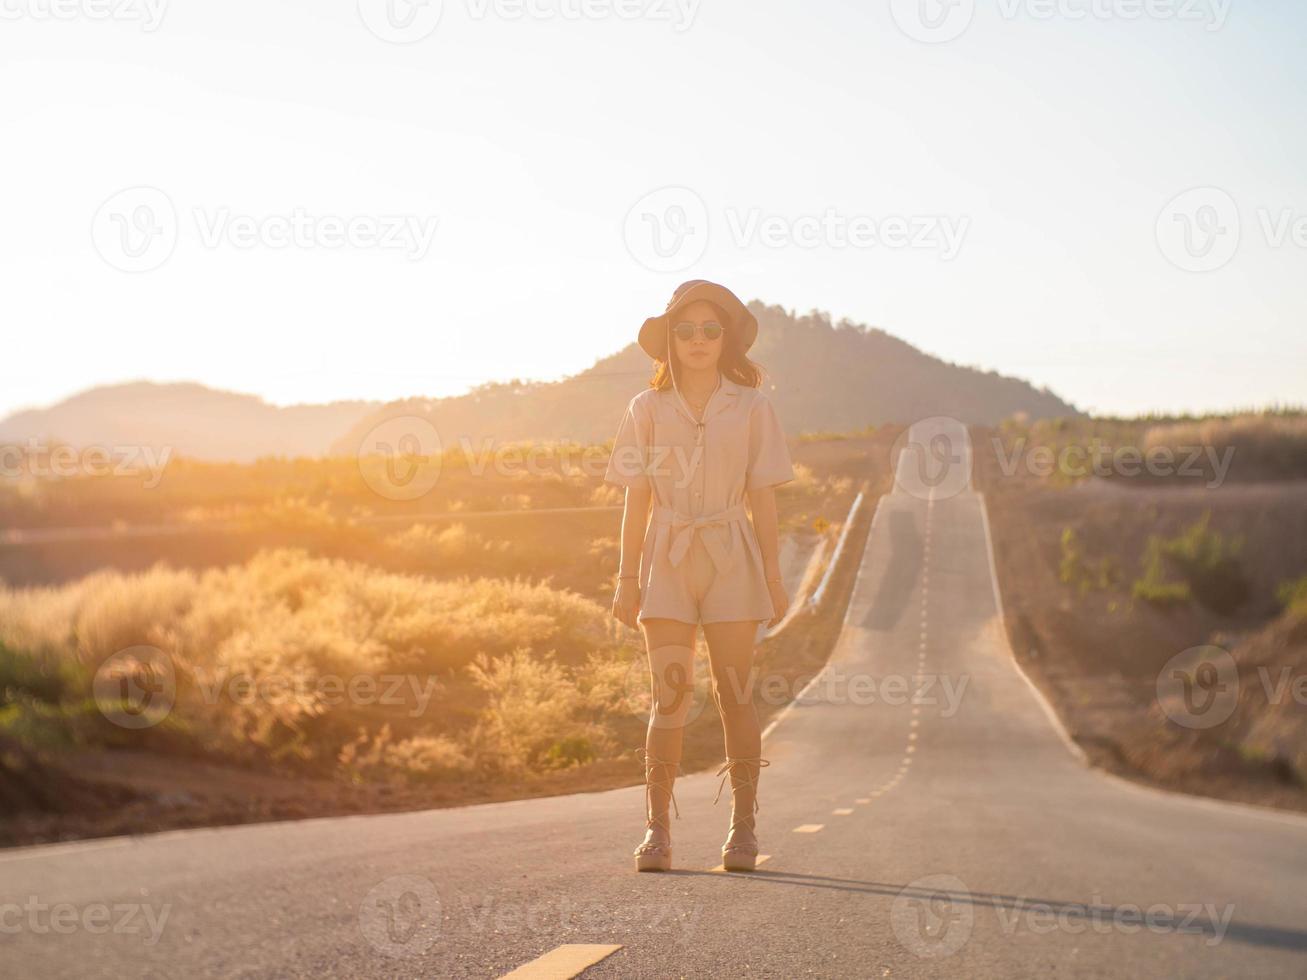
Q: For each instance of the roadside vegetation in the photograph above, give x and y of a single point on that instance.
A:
(329, 650)
(1149, 450)
(496, 675)
(1109, 577)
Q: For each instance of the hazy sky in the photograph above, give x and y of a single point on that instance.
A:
(282, 198)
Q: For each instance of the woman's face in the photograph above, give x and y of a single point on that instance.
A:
(698, 352)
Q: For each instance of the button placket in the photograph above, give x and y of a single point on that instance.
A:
(700, 445)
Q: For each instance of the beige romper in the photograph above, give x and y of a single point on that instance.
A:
(701, 561)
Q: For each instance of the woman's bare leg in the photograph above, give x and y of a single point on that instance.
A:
(670, 644)
(730, 651)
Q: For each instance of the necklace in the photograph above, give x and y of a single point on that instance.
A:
(699, 405)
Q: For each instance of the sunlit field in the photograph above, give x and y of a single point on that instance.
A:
(365, 652)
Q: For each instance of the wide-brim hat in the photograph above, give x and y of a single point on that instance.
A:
(743, 324)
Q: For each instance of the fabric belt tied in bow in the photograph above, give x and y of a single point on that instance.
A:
(718, 540)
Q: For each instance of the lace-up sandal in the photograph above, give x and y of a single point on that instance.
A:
(740, 855)
(656, 855)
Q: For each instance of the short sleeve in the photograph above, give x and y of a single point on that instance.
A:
(769, 455)
(627, 464)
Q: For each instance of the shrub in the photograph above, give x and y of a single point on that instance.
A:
(422, 758)
(1209, 563)
(276, 626)
(1293, 596)
(1152, 586)
(1075, 571)
(433, 544)
(26, 676)
(533, 709)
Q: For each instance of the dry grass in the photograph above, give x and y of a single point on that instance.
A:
(1269, 444)
(285, 621)
(1261, 445)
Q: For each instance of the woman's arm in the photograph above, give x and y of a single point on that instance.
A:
(762, 504)
(635, 521)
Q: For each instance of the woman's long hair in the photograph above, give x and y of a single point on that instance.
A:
(733, 364)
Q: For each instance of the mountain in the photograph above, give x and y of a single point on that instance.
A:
(821, 376)
(193, 420)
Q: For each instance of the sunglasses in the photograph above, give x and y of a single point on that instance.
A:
(686, 331)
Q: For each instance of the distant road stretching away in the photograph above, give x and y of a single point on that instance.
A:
(922, 816)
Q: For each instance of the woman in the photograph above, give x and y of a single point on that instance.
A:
(690, 449)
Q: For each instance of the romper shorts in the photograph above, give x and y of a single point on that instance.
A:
(716, 578)
(701, 562)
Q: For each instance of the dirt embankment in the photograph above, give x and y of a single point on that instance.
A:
(1109, 589)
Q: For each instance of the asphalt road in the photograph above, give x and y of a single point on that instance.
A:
(922, 814)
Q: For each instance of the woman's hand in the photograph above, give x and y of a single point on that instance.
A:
(626, 602)
(780, 600)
